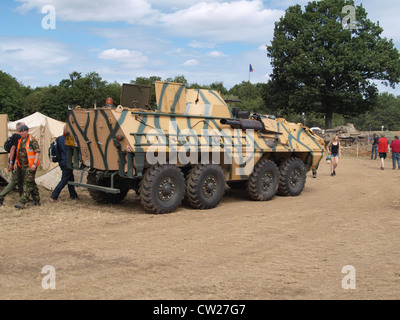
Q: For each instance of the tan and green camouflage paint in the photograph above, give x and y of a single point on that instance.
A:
(178, 110)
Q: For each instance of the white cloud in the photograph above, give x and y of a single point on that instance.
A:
(132, 59)
(190, 63)
(201, 44)
(216, 54)
(168, 6)
(33, 52)
(243, 21)
(129, 11)
(246, 21)
(35, 61)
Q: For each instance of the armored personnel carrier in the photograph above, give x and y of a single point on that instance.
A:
(189, 145)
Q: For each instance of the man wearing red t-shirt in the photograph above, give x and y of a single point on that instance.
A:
(395, 146)
(382, 149)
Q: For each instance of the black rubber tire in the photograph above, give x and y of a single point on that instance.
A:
(293, 177)
(162, 188)
(263, 181)
(205, 186)
(104, 197)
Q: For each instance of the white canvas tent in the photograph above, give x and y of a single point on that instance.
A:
(45, 130)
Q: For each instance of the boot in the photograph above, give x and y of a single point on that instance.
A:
(19, 205)
(1, 201)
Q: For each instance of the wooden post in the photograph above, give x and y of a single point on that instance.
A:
(357, 149)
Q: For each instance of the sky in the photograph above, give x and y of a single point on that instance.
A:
(207, 41)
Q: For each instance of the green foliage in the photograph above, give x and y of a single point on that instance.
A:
(320, 67)
(75, 91)
(19, 101)
(12, 95)
(385, 113)
(250, 96)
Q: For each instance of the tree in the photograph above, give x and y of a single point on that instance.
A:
(12, 95)
(386, 113)
(250, 96)
(320, 66)
(148, 82)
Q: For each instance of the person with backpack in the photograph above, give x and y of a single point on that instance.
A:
(67, 174)
(16, 178)
(27, 160)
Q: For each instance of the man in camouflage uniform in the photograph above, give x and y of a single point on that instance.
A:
(28, 160)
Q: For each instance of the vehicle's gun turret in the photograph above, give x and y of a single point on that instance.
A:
(244, 124)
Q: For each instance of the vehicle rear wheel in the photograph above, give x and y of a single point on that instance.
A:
(293, 177)
(205, 186)
(162, 188)
(105, 197)
(263, 181)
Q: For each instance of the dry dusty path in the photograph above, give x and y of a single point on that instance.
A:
(287, 248)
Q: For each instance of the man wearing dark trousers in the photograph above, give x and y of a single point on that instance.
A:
(16, 177)
(67, 174)
(27, 160)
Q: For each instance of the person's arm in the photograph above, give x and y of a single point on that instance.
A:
(35, 163)
(35, 147)
(12, 153)
(327, 147)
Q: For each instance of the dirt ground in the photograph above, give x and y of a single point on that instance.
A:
(288, 248)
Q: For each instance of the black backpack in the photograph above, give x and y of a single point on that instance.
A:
(8, 144)
(53, 151)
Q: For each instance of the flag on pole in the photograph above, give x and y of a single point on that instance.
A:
(251, 69)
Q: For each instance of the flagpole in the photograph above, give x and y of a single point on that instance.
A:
(250, 71)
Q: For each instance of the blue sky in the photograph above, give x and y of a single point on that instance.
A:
(206, 41)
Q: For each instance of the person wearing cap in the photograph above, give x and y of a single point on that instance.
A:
(16, 177)
(27, 160)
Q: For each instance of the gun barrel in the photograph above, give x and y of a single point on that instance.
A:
(244, 124)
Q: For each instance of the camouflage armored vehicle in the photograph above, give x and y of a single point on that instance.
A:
(190, 144)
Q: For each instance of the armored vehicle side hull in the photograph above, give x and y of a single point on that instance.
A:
(192, 145)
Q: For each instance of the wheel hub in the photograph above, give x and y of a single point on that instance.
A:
(166, 189)
(295, 177)
(266, 181)
(209, 186)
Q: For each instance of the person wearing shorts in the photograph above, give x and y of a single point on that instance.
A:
(336, 152)
(382, 150)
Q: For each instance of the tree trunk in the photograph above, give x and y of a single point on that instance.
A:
(328, 119)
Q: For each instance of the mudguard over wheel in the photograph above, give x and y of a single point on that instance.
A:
(162, 188)
(105, 197)
(293, 177)
(263, 181)
(205, 186)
